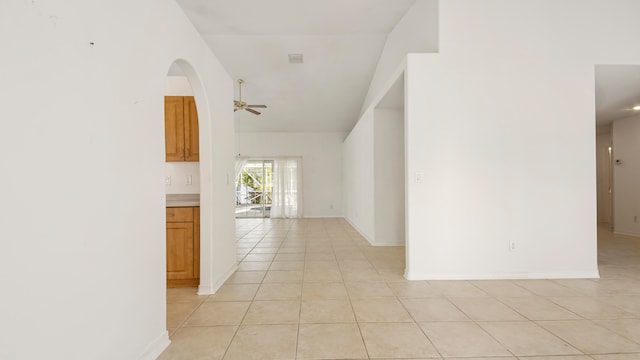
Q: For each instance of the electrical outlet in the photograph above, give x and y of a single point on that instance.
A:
(419, 176)
(188, 180)
(512, 245)
(635, 218)
(330, 205)
(167, 180)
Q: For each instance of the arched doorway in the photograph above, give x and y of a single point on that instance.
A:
(187, 169)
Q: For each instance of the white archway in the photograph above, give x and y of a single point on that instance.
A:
(204, 118)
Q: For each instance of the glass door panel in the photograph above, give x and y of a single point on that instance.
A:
(254, 189)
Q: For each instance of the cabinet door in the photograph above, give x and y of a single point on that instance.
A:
(180, 251)
(191, 131)
(180, 214)
(196, 242)
(174, 128)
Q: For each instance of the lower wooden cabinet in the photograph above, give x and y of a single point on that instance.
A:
(183, 246)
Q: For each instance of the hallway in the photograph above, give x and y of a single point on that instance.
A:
(315, 289)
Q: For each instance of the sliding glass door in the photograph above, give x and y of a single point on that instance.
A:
(254, 187)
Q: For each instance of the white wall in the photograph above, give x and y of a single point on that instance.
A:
(321, 164)
(626, 176)
(83, 255)
(416, 32)
(389, 178)
(603, 181)
(501, 122)
(177, 86)
(178, 172)
(358, 177)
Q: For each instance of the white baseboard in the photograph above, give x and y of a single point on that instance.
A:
(209, 290)
(359, 231)
(156, 347)
(626, 233)
(324, 217)
(371, 242)
(519, 276)
(389, 243)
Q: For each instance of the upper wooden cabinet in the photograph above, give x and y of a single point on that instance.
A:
(191, 130)
(174, 127)
(181, 129)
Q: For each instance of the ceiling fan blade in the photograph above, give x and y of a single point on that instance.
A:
(241, 105)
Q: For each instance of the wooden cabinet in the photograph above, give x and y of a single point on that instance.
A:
(183, 246)
(181, 129)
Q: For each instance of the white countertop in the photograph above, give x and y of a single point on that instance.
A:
(180, 200)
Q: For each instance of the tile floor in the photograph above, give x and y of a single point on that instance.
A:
(315, 289)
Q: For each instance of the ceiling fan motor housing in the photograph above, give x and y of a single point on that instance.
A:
(241, 105)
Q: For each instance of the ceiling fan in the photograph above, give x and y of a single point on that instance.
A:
(241, 105)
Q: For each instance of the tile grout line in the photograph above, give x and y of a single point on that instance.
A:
(235, 333)
(418, 324)
(355, 316)
(478, 323)
(371, 256)
(246, 312)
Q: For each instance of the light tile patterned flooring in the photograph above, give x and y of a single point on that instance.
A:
(315, 289)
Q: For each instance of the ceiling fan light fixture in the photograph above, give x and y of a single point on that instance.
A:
(637, 108)
(241, 105)
(296, 59)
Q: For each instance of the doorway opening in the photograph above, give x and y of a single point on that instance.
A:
(254, 189)
(604, 177)
(182, 181)
(269, 187)
(390, 187)
(184, 162)
(617, 98)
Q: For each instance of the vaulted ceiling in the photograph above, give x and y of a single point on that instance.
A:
(340, 40)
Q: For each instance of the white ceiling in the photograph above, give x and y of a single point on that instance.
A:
(617, 91)
(394, 98)
(341, 41)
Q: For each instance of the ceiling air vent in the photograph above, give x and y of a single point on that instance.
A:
(295, 59)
